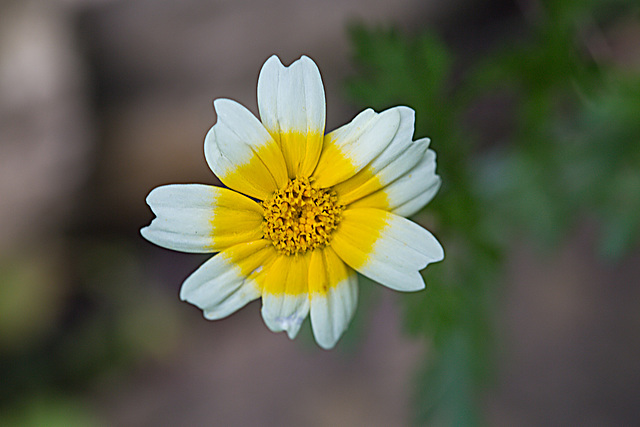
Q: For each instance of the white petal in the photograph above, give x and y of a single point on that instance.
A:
(401, 141)
(386, 247)
(408, 194)
(201, 218)
(401, 155)
(333, 291)
(240, 151)
(351, 147)
(414, 205)
(285, 299)
(292, 107)
(227, 281)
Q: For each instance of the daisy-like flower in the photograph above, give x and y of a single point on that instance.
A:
(302, 211)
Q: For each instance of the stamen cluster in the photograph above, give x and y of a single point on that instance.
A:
(300, 217)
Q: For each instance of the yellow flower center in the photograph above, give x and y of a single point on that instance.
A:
(300, 217)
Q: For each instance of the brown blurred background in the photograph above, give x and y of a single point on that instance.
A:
(102, 100)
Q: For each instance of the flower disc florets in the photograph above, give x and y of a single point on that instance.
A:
(300, 217)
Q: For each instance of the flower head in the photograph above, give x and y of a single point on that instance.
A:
(303, 211)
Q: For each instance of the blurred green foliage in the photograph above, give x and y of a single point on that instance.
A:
(85, 326)
(571, 153)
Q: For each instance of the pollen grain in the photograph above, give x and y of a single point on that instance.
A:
(300, 217)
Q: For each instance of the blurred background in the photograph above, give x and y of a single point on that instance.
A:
(533, 318)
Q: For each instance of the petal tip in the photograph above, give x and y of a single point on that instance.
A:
(270, 68)
(440, 255)
(153, 196)
(222, 103)
(304, 59)
(415, 285)
(211, 315)
(144, 232)
(328, 344)
(273, 59)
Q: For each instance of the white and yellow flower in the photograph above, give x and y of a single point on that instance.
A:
(303, 211)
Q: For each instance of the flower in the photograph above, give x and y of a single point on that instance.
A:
(303, 211)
